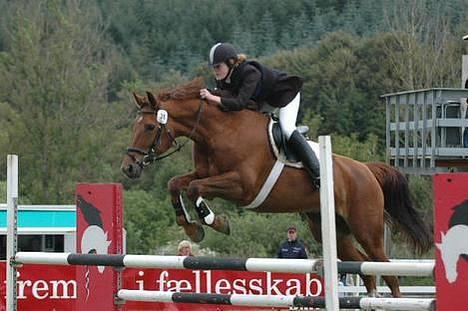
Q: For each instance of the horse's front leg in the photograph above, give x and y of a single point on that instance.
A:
(192, 228)
(226, 186)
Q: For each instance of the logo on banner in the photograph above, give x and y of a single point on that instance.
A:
(454, 242)
(94, 239)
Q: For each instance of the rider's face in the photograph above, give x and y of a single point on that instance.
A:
(221, 71)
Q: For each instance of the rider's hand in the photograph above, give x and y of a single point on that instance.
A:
(205, 94)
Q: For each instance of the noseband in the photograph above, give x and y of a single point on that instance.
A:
(150, 156)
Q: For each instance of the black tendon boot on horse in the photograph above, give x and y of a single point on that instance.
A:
(304, 152)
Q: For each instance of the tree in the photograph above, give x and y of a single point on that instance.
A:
(264, 36)
(55, 73)
(148, 222)
(3, 191)
(350, 14)
(423, 55)
(243, 39)
(318, 27)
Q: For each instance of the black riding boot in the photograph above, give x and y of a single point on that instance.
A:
(304, 152)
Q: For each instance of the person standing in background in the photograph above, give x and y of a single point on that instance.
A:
(292, 248)
(184, 248)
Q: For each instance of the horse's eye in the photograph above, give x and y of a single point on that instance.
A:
(149, 127)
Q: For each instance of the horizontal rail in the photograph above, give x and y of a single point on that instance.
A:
(213, 263)
(407, 291)
(170, 262)
(410, 304)
(387, 268)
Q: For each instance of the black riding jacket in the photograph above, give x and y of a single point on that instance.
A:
(251, 84)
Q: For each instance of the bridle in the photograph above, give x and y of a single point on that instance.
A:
(150, 156)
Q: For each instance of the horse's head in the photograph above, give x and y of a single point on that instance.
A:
(150, 135)
(160, 120)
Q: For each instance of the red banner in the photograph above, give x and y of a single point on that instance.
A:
(43, 287)
(217, 282)
(55, 287)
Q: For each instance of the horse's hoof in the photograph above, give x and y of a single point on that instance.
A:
(195, 232)
(221, 224)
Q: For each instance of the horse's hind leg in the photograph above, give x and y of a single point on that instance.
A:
(345, 248)
(347, 251)
(392, 281)
(371, 240)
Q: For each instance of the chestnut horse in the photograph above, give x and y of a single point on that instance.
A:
(232, 159)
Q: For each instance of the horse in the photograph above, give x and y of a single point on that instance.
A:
(232, 159)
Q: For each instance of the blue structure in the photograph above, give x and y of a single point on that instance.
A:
(44, 221)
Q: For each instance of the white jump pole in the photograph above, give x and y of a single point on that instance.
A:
(12, 237)
(327, 211)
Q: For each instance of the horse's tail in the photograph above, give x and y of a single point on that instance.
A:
(399, 207)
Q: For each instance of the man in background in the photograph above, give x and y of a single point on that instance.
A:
(292, 248)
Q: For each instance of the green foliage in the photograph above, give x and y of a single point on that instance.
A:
(313, 121)
(10, 126)
(3, 191)
(424, 53)
(336, 74)
(56, 72)
(148, 221)
(350, 146)
(421, 189)
(247, 239)
(177, 35)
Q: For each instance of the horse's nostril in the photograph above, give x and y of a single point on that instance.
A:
(130, 168)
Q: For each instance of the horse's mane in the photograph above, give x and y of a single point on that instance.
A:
(191, 90)
(188, 90)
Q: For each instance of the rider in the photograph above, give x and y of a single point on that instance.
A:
(248, 84)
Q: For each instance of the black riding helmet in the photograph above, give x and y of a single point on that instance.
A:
(221, 52)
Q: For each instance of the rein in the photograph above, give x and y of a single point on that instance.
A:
(150, 156)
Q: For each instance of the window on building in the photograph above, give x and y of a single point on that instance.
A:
(35, 243)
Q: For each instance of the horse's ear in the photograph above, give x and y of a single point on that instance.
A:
(152, 99)
(138, 99)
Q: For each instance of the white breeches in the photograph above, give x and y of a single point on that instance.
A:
(288, 116)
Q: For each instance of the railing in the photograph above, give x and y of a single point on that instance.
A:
(425, 129)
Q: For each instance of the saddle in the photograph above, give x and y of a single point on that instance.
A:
(283, 155)
(279, 144)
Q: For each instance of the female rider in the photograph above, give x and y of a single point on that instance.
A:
(243, 83)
